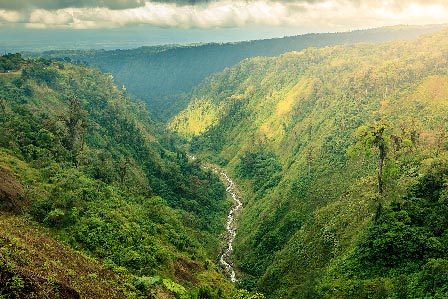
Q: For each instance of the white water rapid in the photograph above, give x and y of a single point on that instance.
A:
(225, 258)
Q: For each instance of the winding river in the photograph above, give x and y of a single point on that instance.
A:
(225, 258)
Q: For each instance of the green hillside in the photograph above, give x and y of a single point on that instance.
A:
(164, 75)
(34, 265)
(305, 134)
(83, 167)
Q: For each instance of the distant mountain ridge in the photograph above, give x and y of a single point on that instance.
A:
(163, 75)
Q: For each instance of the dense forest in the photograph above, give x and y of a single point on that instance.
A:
(95, 199)
(164, 75)
(342, 156)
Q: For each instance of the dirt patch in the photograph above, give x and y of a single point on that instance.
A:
(12, 193)
(68, 292)
(185, 270)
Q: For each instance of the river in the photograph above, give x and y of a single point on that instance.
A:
(226, 257)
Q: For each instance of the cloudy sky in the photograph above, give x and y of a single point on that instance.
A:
(210, 19)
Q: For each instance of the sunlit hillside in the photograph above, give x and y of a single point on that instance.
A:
(342, 155)
(163, 76)
(312, 166)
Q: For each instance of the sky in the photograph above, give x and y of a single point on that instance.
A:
(130, 23)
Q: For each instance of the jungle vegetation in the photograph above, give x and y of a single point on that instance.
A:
(96, 200)
(163, 76)
(342, 155)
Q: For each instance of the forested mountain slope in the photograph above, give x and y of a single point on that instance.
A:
(81, 159)
(306, 133)
(161, 75)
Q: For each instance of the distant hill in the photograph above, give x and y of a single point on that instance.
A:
(163, 75)
(342, 156)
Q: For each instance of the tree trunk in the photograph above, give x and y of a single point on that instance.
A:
(382, 156)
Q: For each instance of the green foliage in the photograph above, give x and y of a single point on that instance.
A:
(261, 167)
(145, 283)
(11, 62)
(411, 231)
(54, 217)
(163, 74)
(405, 250)
(98, 176)
(244, 294)
(101, 180)
(43, 73)
(374, 135)
(371, 136)
(13, 287)
(284, 125)
(34, 265)
(174, 287)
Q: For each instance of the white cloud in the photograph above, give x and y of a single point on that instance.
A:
(10, 16)
(51, 18)
(325, 14)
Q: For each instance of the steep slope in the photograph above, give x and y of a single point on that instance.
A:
(283, 126)
(84, 160)
(34, 265)
(161, 75)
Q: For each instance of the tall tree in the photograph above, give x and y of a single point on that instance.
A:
(76, 122)
(374, 136)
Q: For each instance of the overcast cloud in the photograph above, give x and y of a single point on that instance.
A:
(337, 14)
(60, 4)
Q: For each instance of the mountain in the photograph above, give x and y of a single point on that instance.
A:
(96, 201)
(340, 153)
(342, 156)
(163, 75)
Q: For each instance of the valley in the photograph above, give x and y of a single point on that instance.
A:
(317, 169)
(164, 76)
(88, 167)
